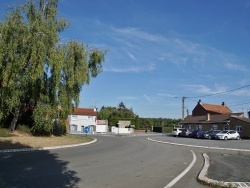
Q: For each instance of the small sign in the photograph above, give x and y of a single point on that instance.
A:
(86, 129)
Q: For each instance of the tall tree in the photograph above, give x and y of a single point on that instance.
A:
(37, 70)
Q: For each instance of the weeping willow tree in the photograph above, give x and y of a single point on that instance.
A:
(37, 70)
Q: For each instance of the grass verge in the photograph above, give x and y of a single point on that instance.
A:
(18, 139)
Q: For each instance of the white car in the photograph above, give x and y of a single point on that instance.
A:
(177, 131)
(228, 134)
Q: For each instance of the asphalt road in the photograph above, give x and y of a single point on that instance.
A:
(229, 160)
(111, 162)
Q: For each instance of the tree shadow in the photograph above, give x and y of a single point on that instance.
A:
(7, 144)
(35, 169)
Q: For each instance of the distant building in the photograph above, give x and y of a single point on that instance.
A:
(203, 109)
(80, 118)
(102, 126)
(211, 116)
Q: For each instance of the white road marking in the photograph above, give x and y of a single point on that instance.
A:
(174, 181)
(195, 146)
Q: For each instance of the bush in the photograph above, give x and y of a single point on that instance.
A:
(44, 117)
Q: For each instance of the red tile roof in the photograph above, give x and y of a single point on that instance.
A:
(221, 109)
(84, 111)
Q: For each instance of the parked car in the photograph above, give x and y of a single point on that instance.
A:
(186, 132)
(177, 131)
(228, 134)
(213, 134)
(197, 134)
(210, 134)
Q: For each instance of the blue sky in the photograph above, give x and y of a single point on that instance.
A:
(162, 50)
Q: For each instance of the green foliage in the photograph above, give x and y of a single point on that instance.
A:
(37, 70)
(44, 120)
(157, 122)
(113, 112)
(104, 113)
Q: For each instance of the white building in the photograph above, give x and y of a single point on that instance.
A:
(80, 118)
(102, 126)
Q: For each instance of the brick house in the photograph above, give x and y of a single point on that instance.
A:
(242, 125)
(208, 122)
(211, 116)
(203, 109)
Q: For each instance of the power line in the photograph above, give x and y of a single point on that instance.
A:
(239, 104)
(220, 92)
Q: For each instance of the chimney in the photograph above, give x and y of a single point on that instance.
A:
(208, 117)
(223, 104)
(199, 102)
(248, 114)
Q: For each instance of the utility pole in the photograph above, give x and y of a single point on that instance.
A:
(183, 106)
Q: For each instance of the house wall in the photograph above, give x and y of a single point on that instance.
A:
(207, 126)
(78, 122)
(244, 131)
(198, 110)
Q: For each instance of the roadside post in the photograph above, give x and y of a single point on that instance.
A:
(162, 125)
(86, 130)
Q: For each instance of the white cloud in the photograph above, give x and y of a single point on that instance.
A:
(235, 67)
(134, 50)
(148, 98)
(202, 89)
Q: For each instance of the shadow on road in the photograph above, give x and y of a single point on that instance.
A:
(7, 144)
(35, 169)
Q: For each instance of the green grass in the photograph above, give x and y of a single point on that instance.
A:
(24, 129)
(5, 132)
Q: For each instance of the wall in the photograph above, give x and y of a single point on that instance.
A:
(124, 124)
(116, 130)
(245, 132)
(101, 128)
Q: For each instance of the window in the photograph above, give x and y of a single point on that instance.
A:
(73, 127)
(74, 117)
(189, 126)
(90, 118)
(225, 127)
(239, 128)
(199, 127)
(214, 127)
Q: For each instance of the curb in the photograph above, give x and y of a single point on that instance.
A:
(45, 148)
(202, 177)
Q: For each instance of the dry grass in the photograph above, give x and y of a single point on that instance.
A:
(20, 140)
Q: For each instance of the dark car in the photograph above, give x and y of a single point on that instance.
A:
(186, 133)
(210, 134)
(213, 134)
(207, 133)
(197, 134)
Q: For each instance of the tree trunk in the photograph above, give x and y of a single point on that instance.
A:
(15, 118)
